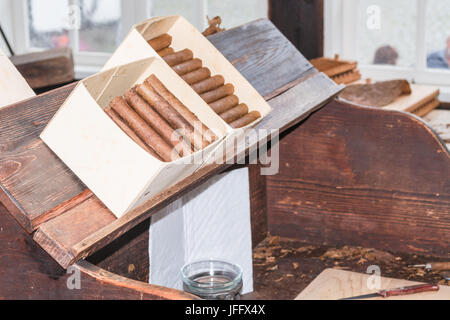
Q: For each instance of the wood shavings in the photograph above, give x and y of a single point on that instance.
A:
(214, 26)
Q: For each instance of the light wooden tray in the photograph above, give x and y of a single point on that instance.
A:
(334, 284)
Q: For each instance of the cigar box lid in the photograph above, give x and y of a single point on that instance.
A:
(13, 86)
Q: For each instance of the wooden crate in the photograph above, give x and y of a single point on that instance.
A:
(342, 72)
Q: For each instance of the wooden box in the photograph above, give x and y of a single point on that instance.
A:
(115, 168)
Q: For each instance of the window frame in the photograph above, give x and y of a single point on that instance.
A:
(87, 63)
(340, 37)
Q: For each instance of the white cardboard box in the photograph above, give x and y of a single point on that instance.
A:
(119, 172)
(13, 86)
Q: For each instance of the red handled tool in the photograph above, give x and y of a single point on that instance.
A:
(398, 292)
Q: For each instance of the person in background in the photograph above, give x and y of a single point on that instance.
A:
(440, 59)
(386, 55)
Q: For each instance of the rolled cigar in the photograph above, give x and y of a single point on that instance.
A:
(208, 84)
(179, 57)
(175, 120)
(161, 42)
(188, 66)
(235, 113)
(245, 120)
(165, 52)
(125, 128)
(219, 93)
(197, 76)
(142, 129)
(200, 128)
(224, 104)
(146, 112)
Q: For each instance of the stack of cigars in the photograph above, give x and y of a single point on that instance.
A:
(158, 122)
(212, 89)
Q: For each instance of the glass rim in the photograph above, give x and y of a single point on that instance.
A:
(216, 288)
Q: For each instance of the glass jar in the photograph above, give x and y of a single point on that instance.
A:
(212, 280)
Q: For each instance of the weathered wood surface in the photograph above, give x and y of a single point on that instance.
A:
(363, 176)
(28, 272)
(47, 68)
(35, 181)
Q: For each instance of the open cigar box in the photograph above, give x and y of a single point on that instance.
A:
(115, 168)
(185, 36)
(13, 86)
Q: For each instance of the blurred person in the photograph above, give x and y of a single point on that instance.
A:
(386, 55)
(440, 59)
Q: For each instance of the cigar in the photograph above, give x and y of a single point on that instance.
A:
(179, 57)
(245, 120)
(219, 93)
(125, 128)
(197, 76)
(175, 120)
(161, 42)
(187, 114)
(224, 104)
(208, 84)
(142, 129)
(235, 113)
(146, 112)
(165, 52)
(188, 66)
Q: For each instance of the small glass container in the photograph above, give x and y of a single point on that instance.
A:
(212, 280)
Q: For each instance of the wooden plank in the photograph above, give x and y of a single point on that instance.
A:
(302, 23)
(288, 109)
(28, 272)
(363, 176)
(34, 181)
(46, 68)
(439, 120)
(334, 284)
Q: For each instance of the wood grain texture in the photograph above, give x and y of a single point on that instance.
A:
(362, 176)
(28, 272)
(258, 204)
(334, 284)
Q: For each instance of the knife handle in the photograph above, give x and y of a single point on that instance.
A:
(409, 290)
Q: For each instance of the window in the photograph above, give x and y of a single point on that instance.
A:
(94, 28)
(393, 39)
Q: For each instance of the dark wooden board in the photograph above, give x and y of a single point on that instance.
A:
(28, 272)
(34, 181)
(47, 68)
(363, 176)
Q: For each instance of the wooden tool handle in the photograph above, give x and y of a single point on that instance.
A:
(440, 266)
(409, 290)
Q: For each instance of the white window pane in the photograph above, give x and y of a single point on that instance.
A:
(100, 25)
(438, 34)
(237, 12)
(186, 8)
(386, 32)
(48, 23)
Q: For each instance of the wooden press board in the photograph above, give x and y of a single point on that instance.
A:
(334, 284)
(13, 87)
(439, 120)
